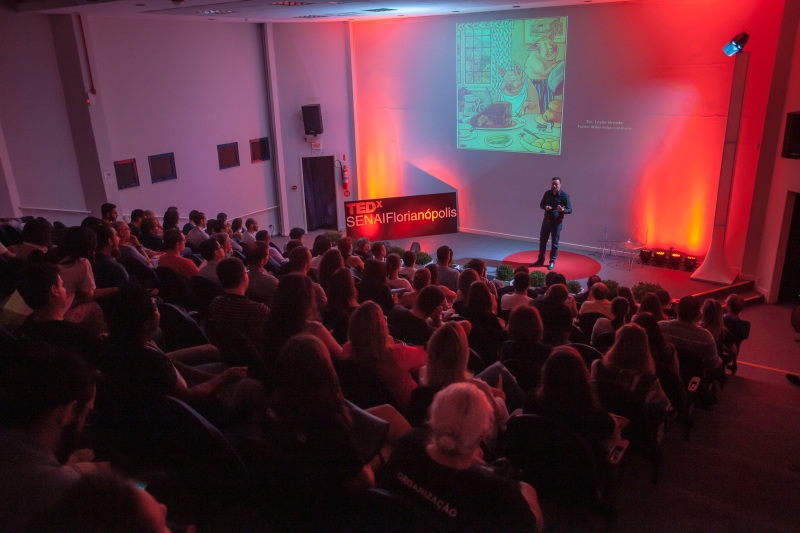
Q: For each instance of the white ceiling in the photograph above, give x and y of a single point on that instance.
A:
(296, 11)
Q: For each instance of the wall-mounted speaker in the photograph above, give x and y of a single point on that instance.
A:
(791, 137)
(162, 167)
(312, 119)
(259, 149)
(228, 155)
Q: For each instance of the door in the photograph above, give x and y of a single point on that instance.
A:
(319, 190)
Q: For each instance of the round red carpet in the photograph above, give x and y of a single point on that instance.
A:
(572, 265)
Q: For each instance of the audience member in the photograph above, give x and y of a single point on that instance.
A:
(598, 303)
(666, 304)
(262, 284)
(684, 333)
(393, 273)
(108, 273)
(651, 304)
(734, 304)
(37, 236)
(522, 281)
(465, 281)
(633, 307)
(525, 329)
(619, 309)
(488, 333)
(442, 470)
(422, 278)
(479, 266)
(417, 325)
(108, 212)
(151, 235)
(378, 251)
(212, 252)
(449, 295)
(662, 351)
(234, 308)
(587, 294)
(369, 344)
(294, 311)
(237, 231)
(342, 301)
(190, 224)
(712, 320)
(362, 249)
(408, 269)
(448, 276)
(175, 243)
(311, 426)
(129, 246)
(170, 220)
(331, 262)
(198, 233)
(137, 215)
(77, 249)
(373, 286)
(321, 245)
(629, 365)
(101, 503)
(567, 396)
(448, 356)
(296, 234)
(556, 317)
(226, 242)
(45, 398)
(300, 263)
(274, 253)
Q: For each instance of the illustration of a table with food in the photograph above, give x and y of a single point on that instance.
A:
(511, 85)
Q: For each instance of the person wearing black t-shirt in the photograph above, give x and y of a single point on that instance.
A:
(555, 204)
(412, 326)
(442, 471)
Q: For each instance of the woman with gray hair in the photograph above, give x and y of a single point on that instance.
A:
(443, 469)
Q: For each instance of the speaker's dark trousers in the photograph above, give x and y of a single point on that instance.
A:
(551, 229)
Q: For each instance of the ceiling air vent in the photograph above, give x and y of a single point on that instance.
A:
(312, 16)
(216, 12)
(381, 10)
(288, 3)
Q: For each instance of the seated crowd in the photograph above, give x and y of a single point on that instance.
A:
(327, 369)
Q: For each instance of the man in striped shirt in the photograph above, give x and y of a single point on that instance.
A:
(234, 308)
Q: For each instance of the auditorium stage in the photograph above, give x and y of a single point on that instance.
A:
(494, 249)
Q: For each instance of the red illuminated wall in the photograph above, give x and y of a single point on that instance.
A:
(657, 67)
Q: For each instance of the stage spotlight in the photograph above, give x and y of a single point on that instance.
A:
(690, 262)
(660, 257)
(736, 44)
(674, 259)
(645, 256)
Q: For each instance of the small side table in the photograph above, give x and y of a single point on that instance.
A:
(607, 245)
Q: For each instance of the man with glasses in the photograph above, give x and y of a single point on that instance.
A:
(213, 252)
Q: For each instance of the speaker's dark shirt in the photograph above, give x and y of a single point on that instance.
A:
(555, 200)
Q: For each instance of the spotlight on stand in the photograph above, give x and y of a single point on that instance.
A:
(736, 44)
(674, 259)
(660, 257)
(645, 256)
(690, 262)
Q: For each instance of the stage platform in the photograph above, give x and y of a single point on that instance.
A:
(494, 249)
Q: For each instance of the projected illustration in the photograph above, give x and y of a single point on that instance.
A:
(511, 84)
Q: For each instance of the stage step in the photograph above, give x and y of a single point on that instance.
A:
(745, 289)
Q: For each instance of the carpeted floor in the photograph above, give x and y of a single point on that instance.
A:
(572, 265)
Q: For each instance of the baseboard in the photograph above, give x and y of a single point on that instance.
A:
(562, 244)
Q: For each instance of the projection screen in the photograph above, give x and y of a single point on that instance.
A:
(510, 79)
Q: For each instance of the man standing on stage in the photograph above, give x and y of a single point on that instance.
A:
(555, 204)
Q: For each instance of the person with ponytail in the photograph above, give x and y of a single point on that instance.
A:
(442, 469)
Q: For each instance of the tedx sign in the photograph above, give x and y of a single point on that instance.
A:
(406, 216)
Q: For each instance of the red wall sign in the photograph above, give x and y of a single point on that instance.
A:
(406, 216)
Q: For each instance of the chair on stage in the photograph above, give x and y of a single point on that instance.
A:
(635, 243)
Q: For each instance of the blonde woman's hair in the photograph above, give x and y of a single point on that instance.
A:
(367, 333)
(631, 350)
(460, 417)
(448, 353)
(713, 319)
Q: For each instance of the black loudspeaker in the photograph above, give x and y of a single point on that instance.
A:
(791, 137)
(312, 119)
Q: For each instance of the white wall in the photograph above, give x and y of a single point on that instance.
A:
(311, 65)
(785, 179)
(185, 87)
(34, 120)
